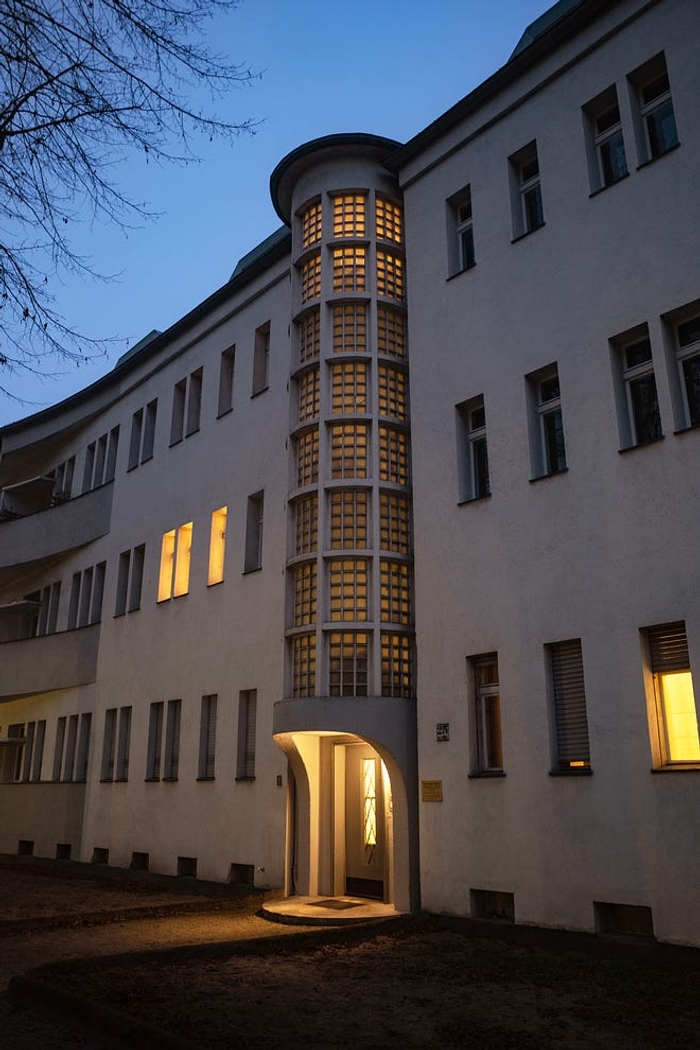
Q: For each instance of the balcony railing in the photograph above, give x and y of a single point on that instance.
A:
(49, 662)
(60, 528)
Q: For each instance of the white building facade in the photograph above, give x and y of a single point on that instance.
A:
(375, 574)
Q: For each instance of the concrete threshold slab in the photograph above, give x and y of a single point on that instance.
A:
(326, 911)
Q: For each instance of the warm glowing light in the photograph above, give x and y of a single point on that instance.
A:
(217, 546)
(167, 556)
(181, 582)
(680, 717)
(369, 798)
(578, 765)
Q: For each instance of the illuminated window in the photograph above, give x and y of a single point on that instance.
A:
(547, 444)
(245, 758)
(175, 555)
(487, 714)
(304, 665)
(207, 738)
(261, 359)
(304, 577)
(391, 331)
(349, 269)
(392, 393)
(306, 524)
(307, 457)
(389, 220)
(394, 523)
(348, 590)
(217, 545)
(393, 456)
(349, 328)
(349, 450)
(654, 117)
(635, 389)
(571, 747)
(349, 215)
(308, 395)
(310, 335)
(472, 452)
(395, 591)
(389, 275)
(254, 532)
(397, 671)
(369, 807)
(676, 713)
(311, 279)
(348, 517)
(347, 655)
(349, 388)
(311, 225)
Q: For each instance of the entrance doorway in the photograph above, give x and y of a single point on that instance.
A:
(365, 835)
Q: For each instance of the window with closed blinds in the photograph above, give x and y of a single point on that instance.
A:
(569, 698)
(675, 699)
(172, 740)
(207, 738)
(668, 647)
(247, 704)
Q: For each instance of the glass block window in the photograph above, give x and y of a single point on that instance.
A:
(348, 589)
(392, 393)
(310, 335)
(349, 450)
(397, 673)
(306, 524)
(311, 279)
(348, 517)
(393, 456)
(391, 332)
(311, 225)
(304, 594)
(350, 328)
(389, 220)
(394, 523)
(389, 275)
(349, 215)
(395, 591)
(347, 667)
(349, 388)
(349, 269)
(307, 457)
(304, 665)
(309, 395)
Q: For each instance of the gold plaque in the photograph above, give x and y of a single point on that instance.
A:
(431, 790)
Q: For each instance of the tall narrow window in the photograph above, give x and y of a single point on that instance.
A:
(311, 278)
(311, 219)
(245, 760)
(676, 713)
(226, 374)
(571, 747)
(349, 519)
(606, 145)
(348, 663)
(207, 738)
(194, 402)
(638, 405)
(136, 583)
(394, 523)
(135, 442)
(261, 359)
(308, 395)
(83, 747)
(349, 589)
(149, 430)
(395, 591)
(307, 444)
(217, 546)
(393, 455)
(392, 393)
(304, 585)
(121, 769)
(306, 524)
(460, 232)
(547, 445)
(487, 714)
(111, 462)
(528, 214)
(472, 452)
(349, 215)
(177, 421)
(38, 751)
(303, 665)
(397, 664)
(254, 532)
(108, 744)
(175, 555)
(656, 119)
(68, 772)
(171, 761)
(349, 328)
(349, 269)
(309, 329)
(58, 746)
(349, 388)
(688, 362)
(349, 450)
(391, 331)
(155, 741)
(389, 220)
(390, 270)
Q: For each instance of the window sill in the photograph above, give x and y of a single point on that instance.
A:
(651, 160)
(244, 779)
(458, 273)
(170, 780)
(640, 444)
(553, 474)
(678, 767)
(487, 774)
(585, 771)
(686, 429)
(201, 780)
(256, 393)
(152, 780)
(226, 412)
(608, 185)
(526, 233)
(473, 499)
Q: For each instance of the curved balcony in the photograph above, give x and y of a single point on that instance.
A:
(56, 530)
(50, 662)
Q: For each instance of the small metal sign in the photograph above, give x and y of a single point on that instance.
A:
(442, 732)
(431, 790)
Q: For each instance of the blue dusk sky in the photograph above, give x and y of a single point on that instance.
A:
(371, 66)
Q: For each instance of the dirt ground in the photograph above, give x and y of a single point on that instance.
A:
(413, 987)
